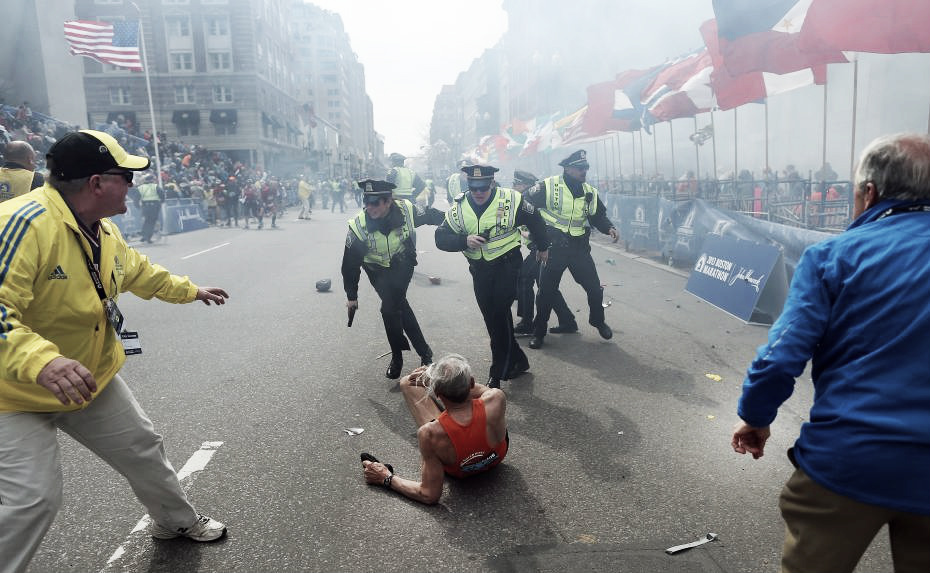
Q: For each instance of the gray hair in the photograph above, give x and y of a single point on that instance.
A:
(67, 186)
(898, 165)
(450, 376)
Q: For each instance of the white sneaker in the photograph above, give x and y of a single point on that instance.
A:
(204, 529)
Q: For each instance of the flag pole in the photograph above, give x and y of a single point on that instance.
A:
(823, 146)
(766, 134)
(713, 127)
(619, 157)
(633, 142)
(735, 148)
(642, 162)
(148, 90)
(655, 152)
(671, 140)
(855, 94)
(697, 154)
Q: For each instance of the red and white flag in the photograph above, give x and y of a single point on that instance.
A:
(116, 43)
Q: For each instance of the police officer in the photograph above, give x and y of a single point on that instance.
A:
(18, 175)
(524, 182)
(484, 224)
(151, 197)
(382, 239)
(407, 184)
(456, 183)
(570, 207)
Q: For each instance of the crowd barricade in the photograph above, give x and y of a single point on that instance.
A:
(182, 215)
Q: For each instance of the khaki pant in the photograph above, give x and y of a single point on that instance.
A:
(115, 428)
(828, 532)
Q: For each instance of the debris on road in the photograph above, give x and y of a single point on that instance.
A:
(702, 541)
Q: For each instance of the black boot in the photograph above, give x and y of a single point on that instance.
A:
(393, 369)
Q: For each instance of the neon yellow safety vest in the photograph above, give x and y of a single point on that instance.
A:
(14, 182)
(497, 225)
(403, 182)
(565, 212)
(454, 185)
(148, 192)
(380, 247)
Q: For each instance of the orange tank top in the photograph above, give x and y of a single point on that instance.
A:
(474, 454)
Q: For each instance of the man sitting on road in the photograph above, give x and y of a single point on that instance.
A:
(468, 437)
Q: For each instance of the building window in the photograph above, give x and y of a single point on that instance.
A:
(222, 94)
(224, 128)
(217, 26)
(184, 94)
(219, 61)
(178, 26)
(188, 129)
(181, 61)
(120, 96)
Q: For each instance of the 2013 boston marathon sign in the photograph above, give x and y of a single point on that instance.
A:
(742, 278)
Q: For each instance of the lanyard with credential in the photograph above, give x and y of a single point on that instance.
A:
(129, 339)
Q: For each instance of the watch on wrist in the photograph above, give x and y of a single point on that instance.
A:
(387, 481)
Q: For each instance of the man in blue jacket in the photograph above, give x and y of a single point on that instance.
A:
(859, 309)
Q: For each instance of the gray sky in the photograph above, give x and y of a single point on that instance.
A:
(410, 49)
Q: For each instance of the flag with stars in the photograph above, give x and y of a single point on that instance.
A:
(114, 43)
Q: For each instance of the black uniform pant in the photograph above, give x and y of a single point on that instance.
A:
(526, 294)
(577, 259)
(150, 212)
(495, 284)
(391, 285)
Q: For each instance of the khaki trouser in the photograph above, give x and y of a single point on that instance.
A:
(116, 429)
(828, 532)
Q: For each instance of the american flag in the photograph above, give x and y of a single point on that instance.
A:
(116, 43)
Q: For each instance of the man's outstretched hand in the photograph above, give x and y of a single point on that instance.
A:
(748, 439)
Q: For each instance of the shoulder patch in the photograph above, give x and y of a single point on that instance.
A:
(527, 206)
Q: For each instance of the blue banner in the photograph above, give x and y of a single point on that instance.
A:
(743, 278)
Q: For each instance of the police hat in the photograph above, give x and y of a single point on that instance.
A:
(523, 178)
(397, 157)
(578, 159)
(375, 189)
(479, 176)
(87, 152)
(323, 285)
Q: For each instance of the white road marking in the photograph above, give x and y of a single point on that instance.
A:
(195, 464)
(204, 251)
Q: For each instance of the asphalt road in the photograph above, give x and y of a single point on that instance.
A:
(619, 449)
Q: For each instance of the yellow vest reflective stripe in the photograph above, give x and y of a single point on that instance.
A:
(497, 224)
(380, 247)
(14, 182)
(403, 182)
(565, 212)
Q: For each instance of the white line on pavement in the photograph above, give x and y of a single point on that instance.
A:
(204, 251)
(195, 464)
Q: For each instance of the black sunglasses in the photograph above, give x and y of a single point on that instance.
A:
(127, 175)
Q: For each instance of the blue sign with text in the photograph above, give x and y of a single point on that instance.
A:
(733, 275)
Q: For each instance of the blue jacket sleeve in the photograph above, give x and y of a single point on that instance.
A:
(792, 340)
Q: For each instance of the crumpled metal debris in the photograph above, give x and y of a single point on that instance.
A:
(678, 548)
(354, 431)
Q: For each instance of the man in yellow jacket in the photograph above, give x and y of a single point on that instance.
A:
(62, 267)
(18, 175)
